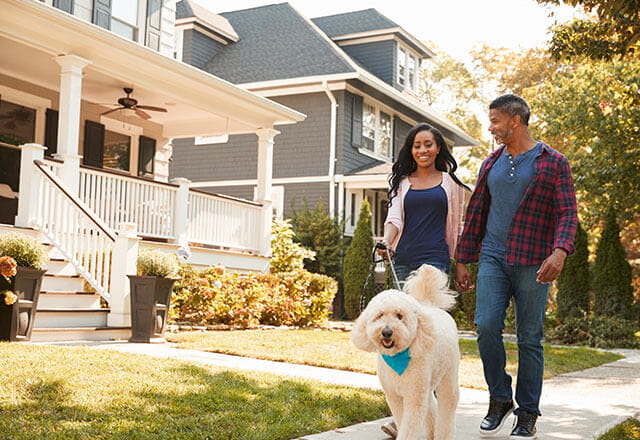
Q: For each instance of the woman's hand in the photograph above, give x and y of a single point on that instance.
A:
(463, 281)
(382, 250)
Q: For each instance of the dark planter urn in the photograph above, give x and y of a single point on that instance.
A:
(150, 298)
(16, 320)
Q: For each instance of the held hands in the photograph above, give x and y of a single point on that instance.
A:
(551, 266)
(463, 281)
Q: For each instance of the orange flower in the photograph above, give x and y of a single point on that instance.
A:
(8, 266)
(9, 297)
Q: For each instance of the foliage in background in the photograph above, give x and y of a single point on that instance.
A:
(613, 295)
(595, 331)
(611, 30)
(574, 282)
(465, 302)
(627, 430)
(357, 260)
(287, 255)
(318, 232)
(156, 263)
(25, 250)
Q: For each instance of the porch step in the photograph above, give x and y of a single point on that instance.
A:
(60, 266)
(68, 300)
(54, 282)
(80, 334)
(70, 317)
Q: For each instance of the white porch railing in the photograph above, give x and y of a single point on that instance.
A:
(82, 238)
(223, 221)
(125, 199)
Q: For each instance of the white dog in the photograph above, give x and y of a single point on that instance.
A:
(417, 345)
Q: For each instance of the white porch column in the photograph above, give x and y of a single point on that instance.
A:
(180, 211)
(28, 195)
(263, 190)
(125, 257)
(69, 118)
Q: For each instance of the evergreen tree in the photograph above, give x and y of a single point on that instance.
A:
(612, 274)
(357, 261)
(574, 282)
(317, 231)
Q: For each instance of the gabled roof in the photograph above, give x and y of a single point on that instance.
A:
(276, 42)
(187, 10)
(368, 22)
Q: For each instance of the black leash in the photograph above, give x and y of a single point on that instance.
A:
(372, 268)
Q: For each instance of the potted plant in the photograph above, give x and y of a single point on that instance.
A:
(150, 295)
(22, 266)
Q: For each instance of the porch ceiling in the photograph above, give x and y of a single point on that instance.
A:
(33, 34)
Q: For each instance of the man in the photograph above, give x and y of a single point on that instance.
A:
(520, 226)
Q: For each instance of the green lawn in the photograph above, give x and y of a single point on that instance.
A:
(83, 393)
(627, 430)
(334, 350)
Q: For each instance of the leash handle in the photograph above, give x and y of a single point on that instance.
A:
(381, 245)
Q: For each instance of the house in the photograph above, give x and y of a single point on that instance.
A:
(354, 75)
(92, 105)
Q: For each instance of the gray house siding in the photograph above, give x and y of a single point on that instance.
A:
(198, 49)
(295, 195)
(377, 57)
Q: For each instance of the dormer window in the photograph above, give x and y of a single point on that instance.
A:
(407, 69)
(376, 131)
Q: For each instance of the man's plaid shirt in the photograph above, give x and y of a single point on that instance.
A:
(546, 218)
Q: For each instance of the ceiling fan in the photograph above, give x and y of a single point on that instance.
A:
(128, 103)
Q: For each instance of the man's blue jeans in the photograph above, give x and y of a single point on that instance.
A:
(496, 284)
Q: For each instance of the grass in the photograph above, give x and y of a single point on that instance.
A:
(627, 430)
(334, 350)
(80, 393)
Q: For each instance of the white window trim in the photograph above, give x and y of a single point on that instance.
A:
(37, 103)
(376, 142)
(210, 140)
(134, 132)
(407, 54)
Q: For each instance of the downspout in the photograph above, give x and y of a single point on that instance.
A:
(332, 149)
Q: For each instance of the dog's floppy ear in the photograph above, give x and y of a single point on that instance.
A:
(425, 338)
(359, 336)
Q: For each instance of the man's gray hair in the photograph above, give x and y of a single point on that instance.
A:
(512, 105)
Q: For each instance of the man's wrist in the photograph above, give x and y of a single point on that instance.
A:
(562, 252)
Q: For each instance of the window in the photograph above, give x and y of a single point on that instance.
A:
(376, 131)
(408, 64)
(117, 150)
(124, 18)
(17, 123)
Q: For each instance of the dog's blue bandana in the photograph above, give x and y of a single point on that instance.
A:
(399, 361)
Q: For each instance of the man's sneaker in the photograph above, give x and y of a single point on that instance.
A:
(525, 426)
(495, 418)
(390, 429)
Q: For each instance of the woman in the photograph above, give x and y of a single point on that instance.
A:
(425, 203)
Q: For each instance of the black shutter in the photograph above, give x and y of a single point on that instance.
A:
(51, 132)
(152, 39)
(93, 144)
(102, 13)
(147, 153)
(356, 121)
(65, 5)
(400, 130)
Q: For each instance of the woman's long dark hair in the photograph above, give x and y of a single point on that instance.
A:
(405, 164)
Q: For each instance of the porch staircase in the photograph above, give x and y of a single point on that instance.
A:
(67, 309)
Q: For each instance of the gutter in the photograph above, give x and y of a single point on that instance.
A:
(332, 149)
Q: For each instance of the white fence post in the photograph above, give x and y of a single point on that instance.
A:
(124, 261)
(181, 211)
(263, 190)
(28, 194)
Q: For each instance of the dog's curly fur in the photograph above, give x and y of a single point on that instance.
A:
(417, 320)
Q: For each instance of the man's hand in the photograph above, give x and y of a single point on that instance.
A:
(462, 280)
(551, 266)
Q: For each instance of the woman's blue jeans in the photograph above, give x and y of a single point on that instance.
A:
(404, 270)
(496, 284)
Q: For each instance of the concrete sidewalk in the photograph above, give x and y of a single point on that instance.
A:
(580, 405)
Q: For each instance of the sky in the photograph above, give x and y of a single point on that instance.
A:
(455, 26)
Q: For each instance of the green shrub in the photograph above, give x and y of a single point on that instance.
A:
(357, 261)
(216, 296)
(317, 231)
(574, 281)
(156, 263)
(286, 255)
(613, 292)
(465, 302)
(595, 331)
(24, 249)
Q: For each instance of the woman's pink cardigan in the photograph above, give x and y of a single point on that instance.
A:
(455, 210)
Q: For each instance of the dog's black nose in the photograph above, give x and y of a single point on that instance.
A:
(387, 332)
